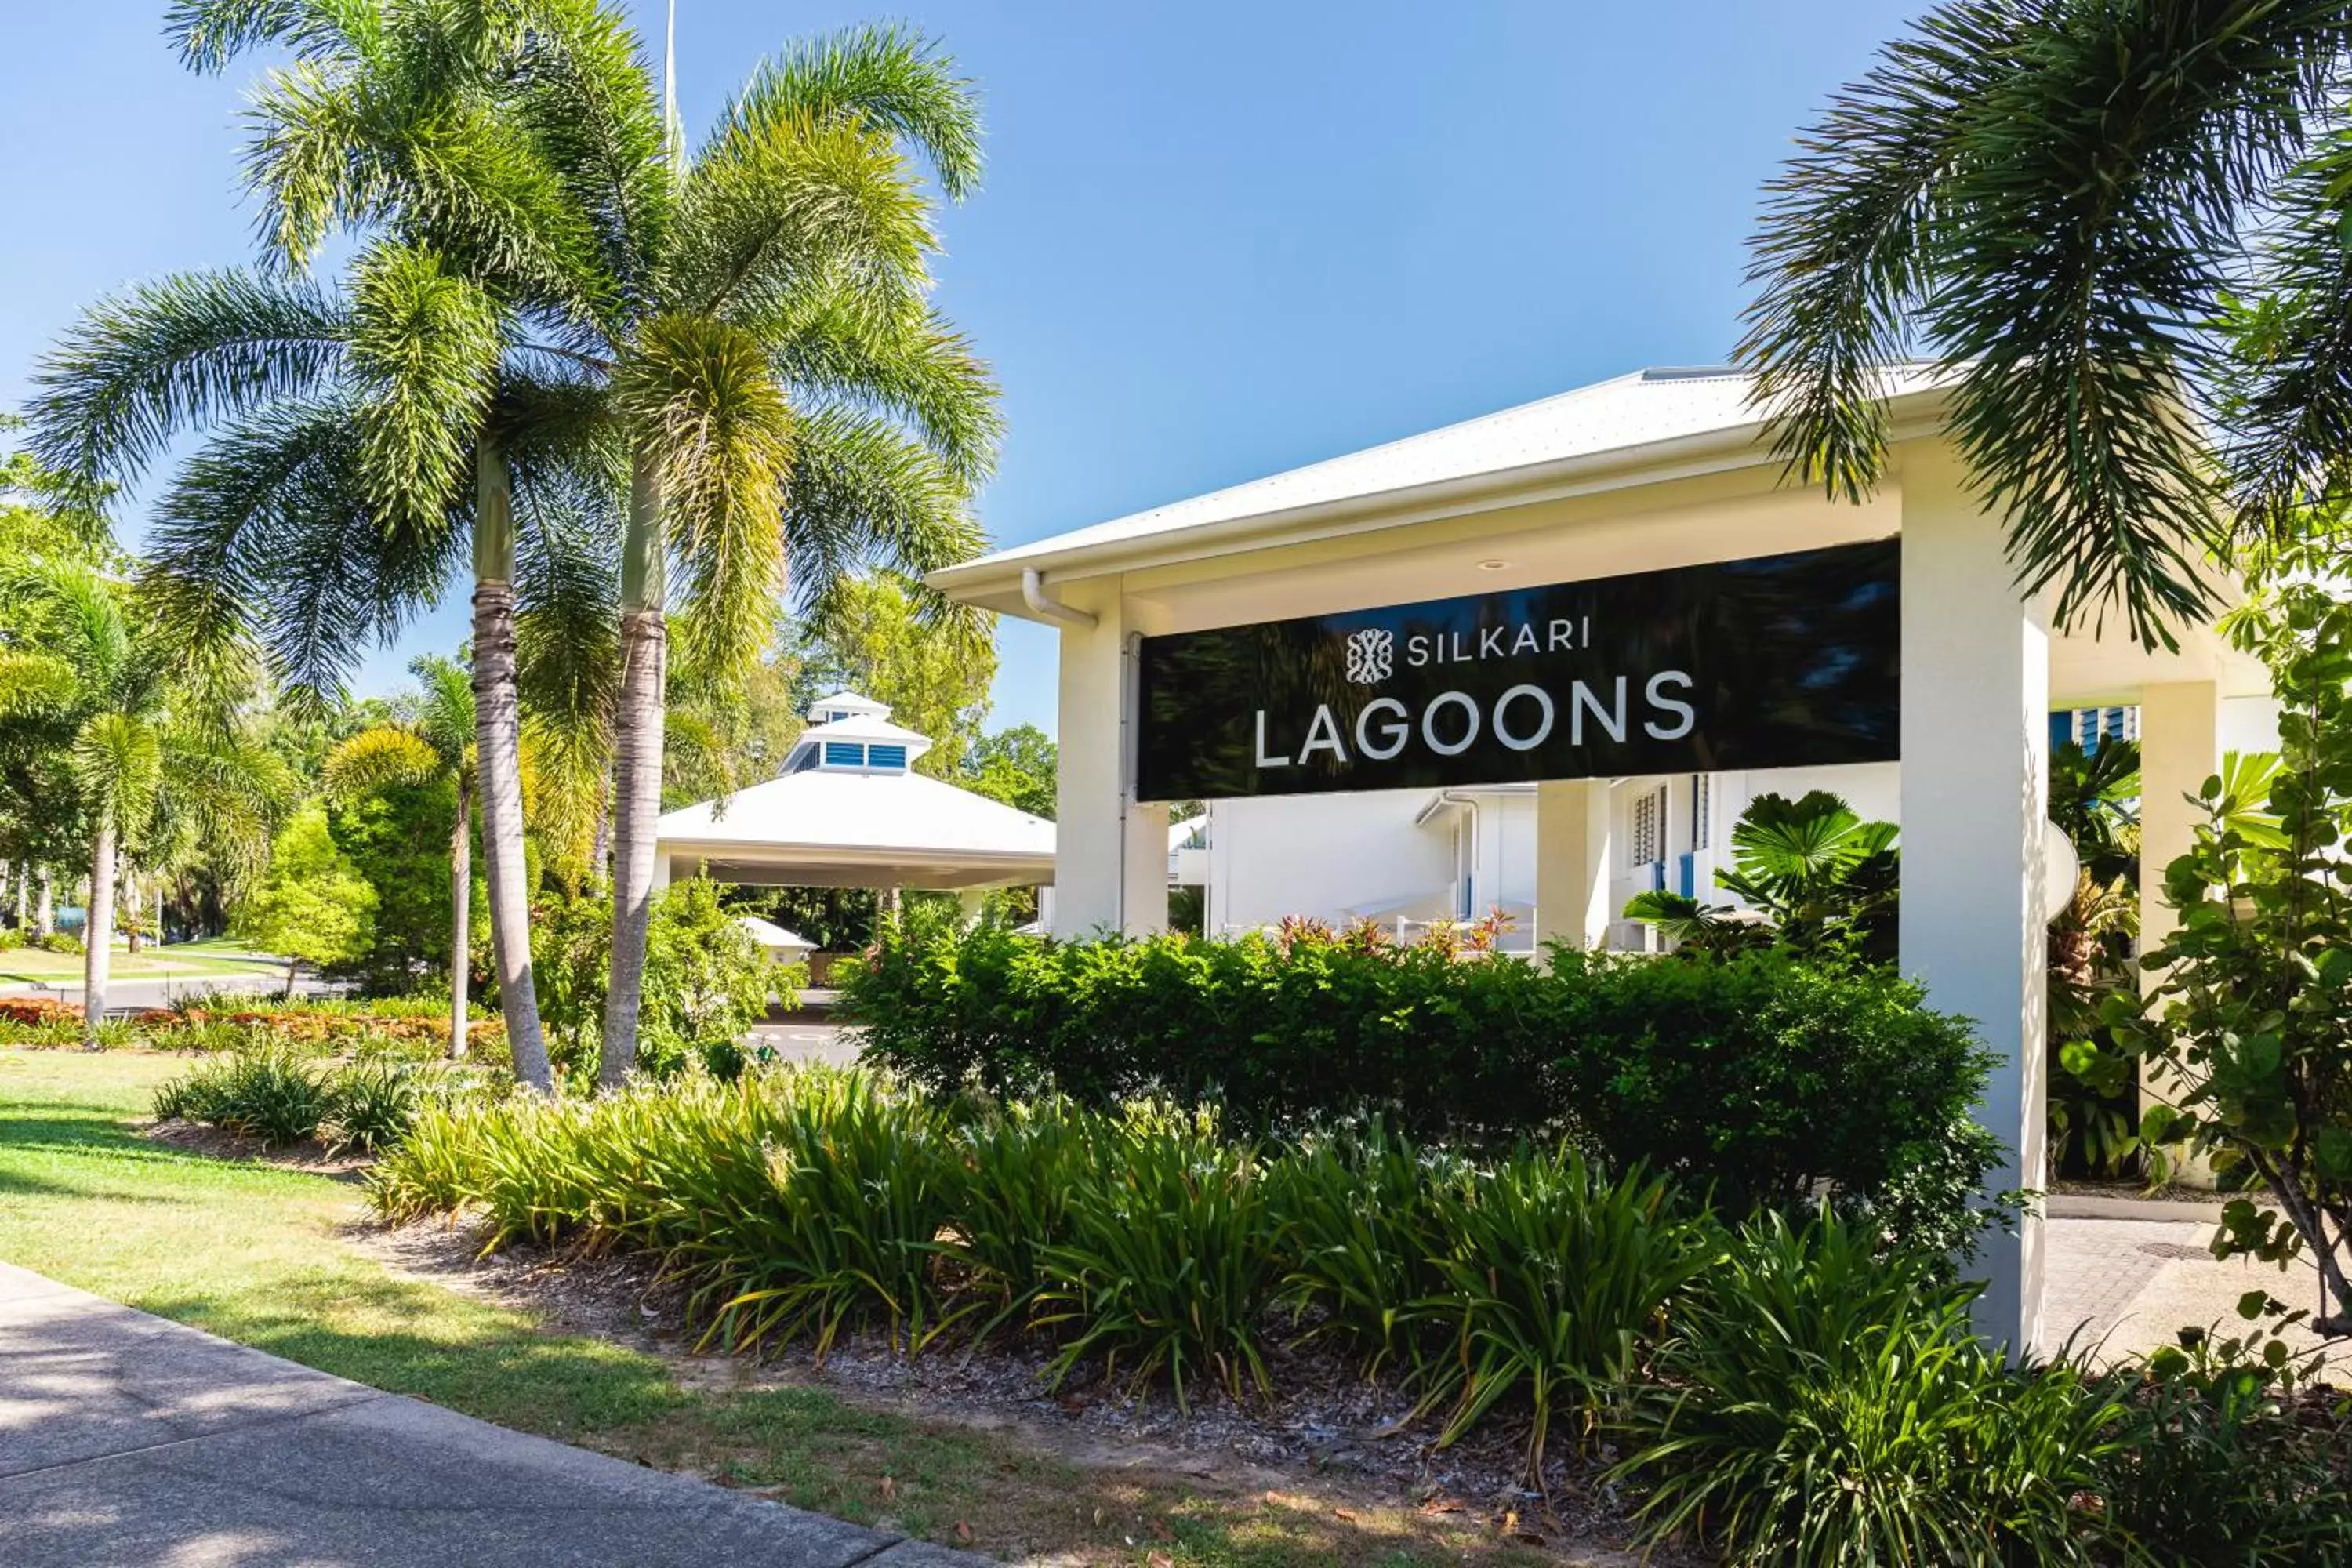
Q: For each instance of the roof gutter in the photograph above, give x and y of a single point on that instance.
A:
(1033, 594)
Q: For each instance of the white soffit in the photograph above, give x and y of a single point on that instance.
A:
(1647, 415)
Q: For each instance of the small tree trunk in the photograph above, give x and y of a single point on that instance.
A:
(498, 744)
(293, 976)
(461, 910)
(636, 804)
(45, 919)
(23, 890)
(136, 907)
(97, 933)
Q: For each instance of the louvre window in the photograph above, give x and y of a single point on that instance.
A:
(844, 754)
(886, 756)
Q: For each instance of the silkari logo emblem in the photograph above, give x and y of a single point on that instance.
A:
(1371, 654)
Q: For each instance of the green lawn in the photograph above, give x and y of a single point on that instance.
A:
(218, 955)
(260, 1255)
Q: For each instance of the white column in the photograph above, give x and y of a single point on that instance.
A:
(2180, 749)
(971, 904)
(1975, 774)
(661, 871)
(1110, 854)
(1572, 850)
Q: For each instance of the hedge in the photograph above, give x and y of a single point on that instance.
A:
(1765, 1078)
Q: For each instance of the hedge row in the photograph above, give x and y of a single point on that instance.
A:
(1764, 1079)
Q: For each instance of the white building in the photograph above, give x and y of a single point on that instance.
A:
(1416, 857)
(1333, 574)
(847, 810)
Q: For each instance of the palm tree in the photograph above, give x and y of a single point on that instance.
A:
(365, 434)
(2090, 215)
(140, 736)
(795, 407)
(436, 747)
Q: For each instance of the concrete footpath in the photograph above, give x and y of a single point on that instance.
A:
(129, 1441)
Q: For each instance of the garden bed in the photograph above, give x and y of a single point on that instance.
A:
(1329, 1446)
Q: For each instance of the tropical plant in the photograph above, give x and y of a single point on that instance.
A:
(312, 907)
(437, 747)
(2088, 215)
(2093, 799)
(1822, 880)
(792, 402)
(2249, 1026)
(90, 656)
(361, 434)
(1824, 1407)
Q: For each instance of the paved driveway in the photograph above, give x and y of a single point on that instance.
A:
(130, 1442)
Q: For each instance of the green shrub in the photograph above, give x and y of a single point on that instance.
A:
(1170, 1263)
(1821, 1406)
(372, 1104)
(2223, 1456)
(1020, 1163)
(269, 1096)
(1556, 1284)
(1358, 1210)
(706, 981)
(1763, 1078)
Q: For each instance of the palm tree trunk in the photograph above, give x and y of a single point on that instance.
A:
(637, 795)
(44, 916)
(461, 910)
(293, 976)
(98, 933)
(497, 744)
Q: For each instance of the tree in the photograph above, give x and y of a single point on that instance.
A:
(437, 748)
(2250, 1024)
(312, 907)
(98, 661)
(874, 639)
(366, 438)
(794, 405)
(1017, 766)
(2087, 215)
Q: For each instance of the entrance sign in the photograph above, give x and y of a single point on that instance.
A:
(1781, 661)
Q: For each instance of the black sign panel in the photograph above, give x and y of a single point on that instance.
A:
(1782, 661)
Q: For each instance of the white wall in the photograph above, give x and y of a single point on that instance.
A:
(1323, 855)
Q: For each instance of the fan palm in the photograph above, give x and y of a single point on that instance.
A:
(1824, 879)
(85, 652)
(436, 747)
(2099, 217)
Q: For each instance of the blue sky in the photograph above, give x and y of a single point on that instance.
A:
(1216, 239)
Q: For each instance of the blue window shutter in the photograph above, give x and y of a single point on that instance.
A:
(886, 756)
(844, 754)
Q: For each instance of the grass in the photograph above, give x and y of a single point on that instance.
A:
(262, 1256)
(216, 955)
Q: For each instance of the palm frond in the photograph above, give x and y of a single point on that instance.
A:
(445, 719)
(720, 430)
(864, 494)
(769, 208)
(232, 789)
(425, 346)
(35, 685)
(2050, 200)
(378, 757)
(195, 349)
(886, 77)
(209, 34)
(894, 356)
(118, 766)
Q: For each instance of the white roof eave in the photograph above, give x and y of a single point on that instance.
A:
(1138, 542)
